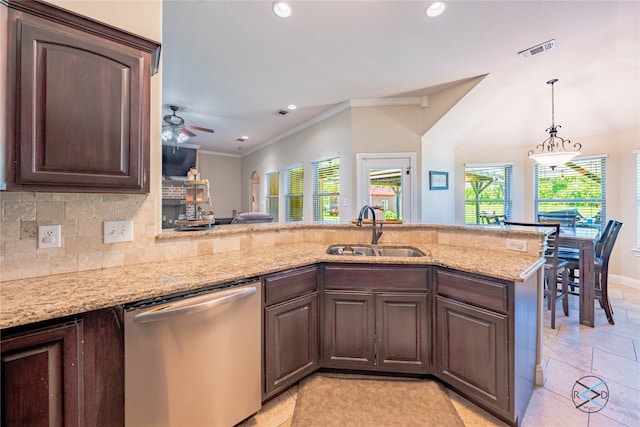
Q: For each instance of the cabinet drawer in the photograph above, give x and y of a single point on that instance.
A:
(290, 284)
(473, 290)
(378, 278)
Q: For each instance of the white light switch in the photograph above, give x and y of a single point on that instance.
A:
(118, 231)
(49, 236)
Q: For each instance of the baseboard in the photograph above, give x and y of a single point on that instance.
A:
(624, 281)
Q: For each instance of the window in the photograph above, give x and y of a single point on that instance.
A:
(273, 192)
(487, 193)
(294, 184)
(326, 191)
(575, 187)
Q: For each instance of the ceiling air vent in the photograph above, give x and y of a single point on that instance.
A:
(543, 47)
(282, 113)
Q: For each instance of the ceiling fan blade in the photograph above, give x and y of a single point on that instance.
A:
(201, 129)
(187, 132)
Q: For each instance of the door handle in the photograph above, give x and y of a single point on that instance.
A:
(183, 308)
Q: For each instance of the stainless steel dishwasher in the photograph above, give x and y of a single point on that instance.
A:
(194, 360)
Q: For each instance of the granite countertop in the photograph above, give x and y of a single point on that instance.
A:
(27, 301)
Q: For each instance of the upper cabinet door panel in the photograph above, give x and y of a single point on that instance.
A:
(76, 97)
(82, 95)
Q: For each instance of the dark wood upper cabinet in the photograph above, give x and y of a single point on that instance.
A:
(78, 103)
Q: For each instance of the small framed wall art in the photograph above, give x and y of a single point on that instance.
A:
(438, 180)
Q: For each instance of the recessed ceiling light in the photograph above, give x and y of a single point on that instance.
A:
(291, 107)
(436, 9)
(281, 8)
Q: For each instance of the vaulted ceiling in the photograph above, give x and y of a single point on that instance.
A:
(231, 65)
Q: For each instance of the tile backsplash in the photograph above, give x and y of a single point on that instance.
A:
(81, 217)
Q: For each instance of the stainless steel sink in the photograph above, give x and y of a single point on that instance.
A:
(399, 252)
(360, 250)
(349, 250)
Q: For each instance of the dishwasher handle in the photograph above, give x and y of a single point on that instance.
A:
(178, 309)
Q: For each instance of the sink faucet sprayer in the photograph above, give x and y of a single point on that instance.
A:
(375, 236)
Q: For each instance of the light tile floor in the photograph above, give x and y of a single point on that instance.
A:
(571, 351)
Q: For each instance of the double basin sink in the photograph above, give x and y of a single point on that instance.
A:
(363, 250)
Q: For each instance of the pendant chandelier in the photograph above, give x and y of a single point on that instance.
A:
(552, 151)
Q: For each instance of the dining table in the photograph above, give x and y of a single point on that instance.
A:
(583, 239)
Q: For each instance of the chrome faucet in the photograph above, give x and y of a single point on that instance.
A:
(375, 236)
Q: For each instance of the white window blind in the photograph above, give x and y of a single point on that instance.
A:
(273, 193)
(487, 195)
(577, 186)
(294, 184)
(326, 191)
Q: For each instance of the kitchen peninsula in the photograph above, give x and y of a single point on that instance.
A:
(469, 280)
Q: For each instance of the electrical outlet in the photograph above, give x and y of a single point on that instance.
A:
(49, 236)
(516, 245)
(118, 231)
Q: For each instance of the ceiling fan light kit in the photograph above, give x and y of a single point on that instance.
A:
(175, 130)
(553, 150)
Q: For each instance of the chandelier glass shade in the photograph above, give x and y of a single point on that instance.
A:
(554, 150)
(174, 135)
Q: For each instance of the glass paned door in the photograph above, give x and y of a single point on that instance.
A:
(386, 183)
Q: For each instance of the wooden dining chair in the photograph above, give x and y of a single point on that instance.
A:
(555, 270)
(603, 248)
(572, 256)
(565, 220)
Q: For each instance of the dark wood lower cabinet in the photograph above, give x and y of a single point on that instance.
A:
(42, 377)
(403, 332)
(290, 328)
(472, 351)
(349, 330)
(291, 342)
(377, 317)
(65, 374)
(387, 332)
(485, 340)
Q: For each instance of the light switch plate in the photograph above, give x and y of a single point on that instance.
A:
(118, 231)
(49, 236)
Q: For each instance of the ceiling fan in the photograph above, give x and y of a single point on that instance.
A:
(175, 131)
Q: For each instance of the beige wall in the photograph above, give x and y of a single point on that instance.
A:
(621, 189)
(223, 173)
(328, 138)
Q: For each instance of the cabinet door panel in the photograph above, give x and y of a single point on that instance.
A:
(403, 333)
(80, 94)
(473, 351)
(41, 378)
(349, 330)
(78, 104)
(291, 342)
